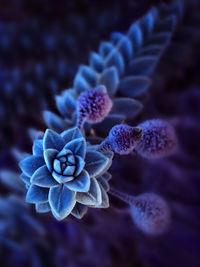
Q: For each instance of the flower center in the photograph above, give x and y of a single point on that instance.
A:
(65, 164)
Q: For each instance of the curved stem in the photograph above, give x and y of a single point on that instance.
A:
(122, 196)
(80, 121)
(105, 145)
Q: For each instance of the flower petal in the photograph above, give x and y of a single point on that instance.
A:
(104, 183)
(57, 166)
(77, 146)
(43, 178)
(25, 178)
(42, 207)
(64, 152)
(62, 159)
(71, 159)
(30, 164)
(69, 170)
(80, 183)
(71, 134)
(80, 163)
(95, 162)
(105, 200)
(52, 140)
(79, 211)
(36, 194)
(62, 201)
(49, 156)
(107, 176)
(92, 197)
(61, 178)
(38, 148)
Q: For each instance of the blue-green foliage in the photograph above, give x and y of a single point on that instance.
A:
(65, 176)
(123, 65)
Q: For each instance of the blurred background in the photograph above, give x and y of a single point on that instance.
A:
(42, 43)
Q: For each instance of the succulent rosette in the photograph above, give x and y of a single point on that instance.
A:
(66, 175)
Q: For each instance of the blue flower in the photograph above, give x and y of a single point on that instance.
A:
(65, 176)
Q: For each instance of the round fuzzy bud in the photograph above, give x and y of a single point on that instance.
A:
(150, 213)
(122, 139)
(158, 140)
(93, 106)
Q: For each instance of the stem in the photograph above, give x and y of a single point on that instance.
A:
(105, 145)
(122, 196)
(80, 121)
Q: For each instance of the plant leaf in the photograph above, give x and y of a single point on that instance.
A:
(55, 122)
(30, 164)
(127, 106)
(71, 134)
(52, 140)
(36, 194)
(81, 183)
(77, 146)
(80, 84)
(96, 62)
(79, 211)
(109, 78)
(92, 197)
(142, 65)
(43, 178)
(133, 86)
(38, 148)
(62, 201)
(95, 162)
(42, 207)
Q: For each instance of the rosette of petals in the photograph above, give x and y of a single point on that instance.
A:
(64, 176)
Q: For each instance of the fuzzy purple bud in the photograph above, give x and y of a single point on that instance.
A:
(93, 105)
(159, 139)
(151, 213)
(122, 139)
